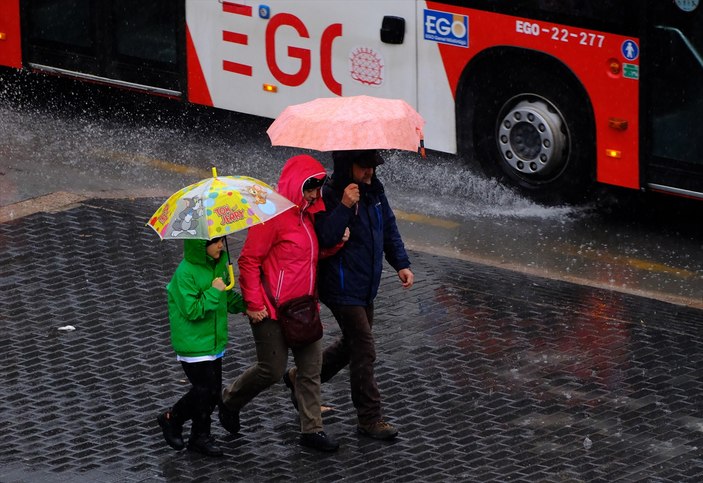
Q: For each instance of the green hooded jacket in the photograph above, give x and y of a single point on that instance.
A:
(196, 310)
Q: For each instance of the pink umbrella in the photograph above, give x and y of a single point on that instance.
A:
(344, 123)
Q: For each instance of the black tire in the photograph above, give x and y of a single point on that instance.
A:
(535, 132)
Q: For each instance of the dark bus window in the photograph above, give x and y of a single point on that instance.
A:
(592, 9)
(618, 16)
(676, 93)
(145, 30)
(66, 22)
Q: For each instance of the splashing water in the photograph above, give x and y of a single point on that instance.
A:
(132, 140)
(442, 185)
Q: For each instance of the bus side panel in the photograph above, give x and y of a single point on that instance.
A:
(10, 40)
(302, 50)
(435, 95)
(198, 92)
(587, 53)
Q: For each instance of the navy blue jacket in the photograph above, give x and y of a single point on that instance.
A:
(353, 274)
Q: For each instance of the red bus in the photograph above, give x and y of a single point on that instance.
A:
(550, 96)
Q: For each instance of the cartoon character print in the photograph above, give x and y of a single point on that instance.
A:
(187, 221)
(258, 193)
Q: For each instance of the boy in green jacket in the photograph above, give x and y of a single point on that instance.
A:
(197, 309)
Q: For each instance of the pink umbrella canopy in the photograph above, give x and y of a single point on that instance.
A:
(345, 123)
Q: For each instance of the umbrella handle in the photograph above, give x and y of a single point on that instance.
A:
(230, 269)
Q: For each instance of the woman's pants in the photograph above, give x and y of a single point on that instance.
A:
(272, 362)
(198, 403)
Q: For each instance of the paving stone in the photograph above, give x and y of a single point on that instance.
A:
(485, 382)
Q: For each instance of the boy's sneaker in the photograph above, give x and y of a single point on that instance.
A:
(378, 430)
(172, 431)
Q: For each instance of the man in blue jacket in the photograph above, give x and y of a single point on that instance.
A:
(348, 281)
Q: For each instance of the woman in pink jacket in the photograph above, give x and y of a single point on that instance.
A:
(285, 251)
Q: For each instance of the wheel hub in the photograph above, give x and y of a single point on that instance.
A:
(531, 139)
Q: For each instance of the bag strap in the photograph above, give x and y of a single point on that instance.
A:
(272, 299)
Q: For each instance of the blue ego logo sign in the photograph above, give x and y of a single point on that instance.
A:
(446, 28)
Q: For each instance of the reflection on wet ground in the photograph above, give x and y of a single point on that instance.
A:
(491, 375)
(560, 368)
(656, 258)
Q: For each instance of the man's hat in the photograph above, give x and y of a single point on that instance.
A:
(365, 158)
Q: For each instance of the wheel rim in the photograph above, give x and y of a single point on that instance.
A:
(532, 137)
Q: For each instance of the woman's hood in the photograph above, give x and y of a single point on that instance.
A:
(293, 176)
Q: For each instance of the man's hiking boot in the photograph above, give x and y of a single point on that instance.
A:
(378, 430)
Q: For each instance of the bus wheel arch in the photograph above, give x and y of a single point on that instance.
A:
(527, 120)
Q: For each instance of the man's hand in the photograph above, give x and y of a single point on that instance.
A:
(406, 277)
(351, 195)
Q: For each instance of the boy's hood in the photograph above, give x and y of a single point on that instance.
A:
(194, 251)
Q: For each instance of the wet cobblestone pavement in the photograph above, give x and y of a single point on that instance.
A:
(490, 375)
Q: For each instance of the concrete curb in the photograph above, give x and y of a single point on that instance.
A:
(64, 200)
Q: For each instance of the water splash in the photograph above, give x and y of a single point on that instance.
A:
(442, 185)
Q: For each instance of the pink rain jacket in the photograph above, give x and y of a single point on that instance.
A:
(284, 248)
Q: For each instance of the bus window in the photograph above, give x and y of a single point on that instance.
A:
(605, 14)
(575, 7)
(61, 34)
(133, 43)
(672, 78)
(62, 22)
(675, 95)
(143, 47)
(593, 9)
(145, 30)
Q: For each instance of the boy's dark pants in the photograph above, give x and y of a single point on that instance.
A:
(198, 403)
(356, 347)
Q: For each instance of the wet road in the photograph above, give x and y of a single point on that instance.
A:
(56, 137)
(491, 375)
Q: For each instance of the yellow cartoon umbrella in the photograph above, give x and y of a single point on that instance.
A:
(216, 207)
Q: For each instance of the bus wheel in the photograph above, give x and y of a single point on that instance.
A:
(538, 139)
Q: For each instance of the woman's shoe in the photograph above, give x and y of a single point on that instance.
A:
(172, 430)
(206, 445)
(319, 441)
(229, 419)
